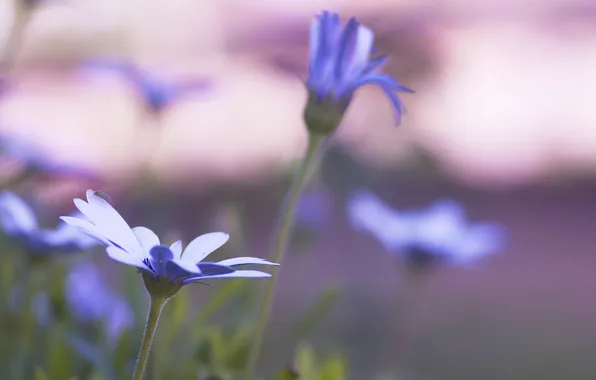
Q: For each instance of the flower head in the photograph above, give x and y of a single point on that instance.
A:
(90, 300)
(18, 222)
(339, 63)
(155, 92)
(439, 233)
(164, 268)
(33, 159)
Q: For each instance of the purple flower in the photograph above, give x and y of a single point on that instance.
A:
(36, 159)
(18, 222)
(339, 63)
(439, 233)
(141, 248)
(314, 209)
(91, 301)
(155, 92)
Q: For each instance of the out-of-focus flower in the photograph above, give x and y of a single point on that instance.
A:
(339, 63)
(35, 160)
(314, 209)
(165, 269)
(156, 92)
(439, 233)
(91, 301)
(18, 222)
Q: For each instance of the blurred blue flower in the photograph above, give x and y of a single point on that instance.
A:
(91, 301)
(439, 233)
(18, 222)
(339, 63)
(35, 159)
(314, 209)
(140, 247)
(155, 92)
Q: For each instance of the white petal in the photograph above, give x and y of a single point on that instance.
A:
(124, 257)
(187, 266)
(16, 215)
(176, 249)
(66, 234)
(203, 245)
(146, 237)
(245, 261)
(87, 228)
(236, 274)
(109, 221)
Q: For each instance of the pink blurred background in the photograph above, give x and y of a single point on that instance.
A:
(503, 111)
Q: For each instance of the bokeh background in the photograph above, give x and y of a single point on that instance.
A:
(502, 120)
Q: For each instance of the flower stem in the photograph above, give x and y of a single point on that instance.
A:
(14, 40)
(315, 142)
(155, 307)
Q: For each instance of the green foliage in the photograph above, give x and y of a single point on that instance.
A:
(309, 367)
(204, 332)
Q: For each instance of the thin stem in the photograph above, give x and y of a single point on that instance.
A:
(14, 40)
(315, 142)
(155, 307)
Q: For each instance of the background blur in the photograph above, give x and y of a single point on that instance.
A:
(502, 120)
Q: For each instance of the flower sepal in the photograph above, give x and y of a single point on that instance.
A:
(323, 116)
(161, 287)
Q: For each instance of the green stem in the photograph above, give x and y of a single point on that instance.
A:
(155, 307)
(315, 142)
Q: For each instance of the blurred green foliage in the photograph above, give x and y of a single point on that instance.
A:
(206, 340)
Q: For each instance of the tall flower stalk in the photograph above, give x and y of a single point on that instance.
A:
(340, 62)
(16, 33)
(315, 143)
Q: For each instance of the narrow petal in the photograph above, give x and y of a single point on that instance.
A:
(124, 257)
(188, 266)
(203, 245)
(65, 235)
(346, 49)
(363, 47)
(236, 274)
(15, 215)
(367, 212)
(87, 228)
(245, 261)
(315, 42)
(374, 65)
(146, 237)
(176, 249)
(107, 219)
(213, 269)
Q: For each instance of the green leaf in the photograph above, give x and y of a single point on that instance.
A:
(40, 374)
(287, 374)
(334, 369)
(305, 363)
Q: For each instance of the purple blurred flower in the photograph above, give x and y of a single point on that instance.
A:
(91, 301)
(339, 63)
(314, 209)
(155, 92)
(18, 222)
(140, 247)
(439, 233)
(35, 159)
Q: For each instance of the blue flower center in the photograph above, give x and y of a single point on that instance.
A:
(161, 255)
